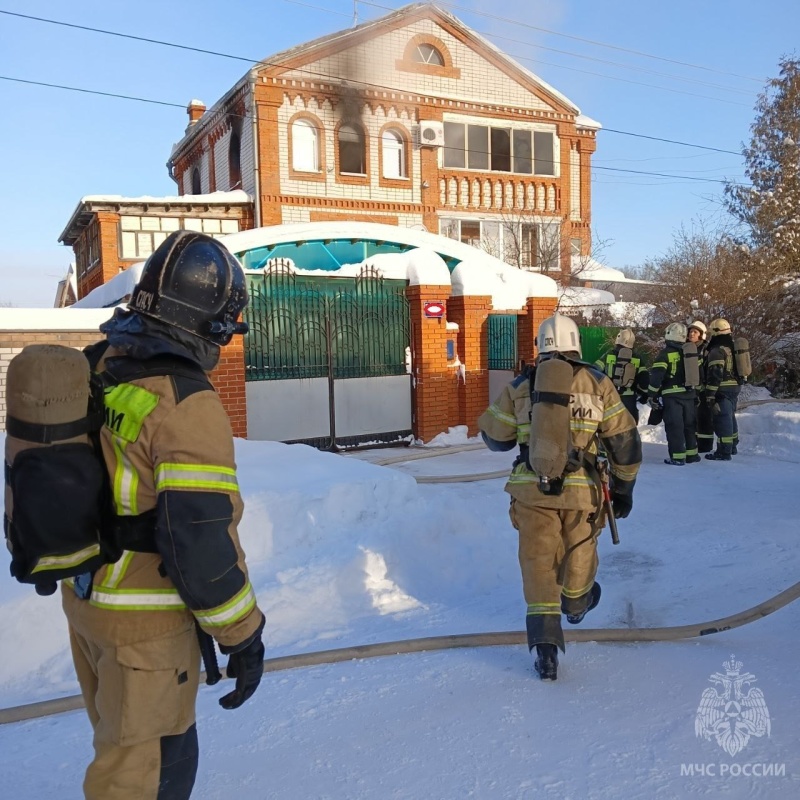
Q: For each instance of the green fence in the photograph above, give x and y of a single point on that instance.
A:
(595, 341)
(502, 341)
(303, 327)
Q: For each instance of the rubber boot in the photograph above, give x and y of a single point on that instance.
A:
(693, 459)
(676, 462)
(594, 599)
(546, 663)
(717, 456)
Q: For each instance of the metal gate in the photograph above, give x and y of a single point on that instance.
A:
(325, 358)
(502, 333)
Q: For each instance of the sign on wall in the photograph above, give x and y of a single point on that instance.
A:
(434, 309)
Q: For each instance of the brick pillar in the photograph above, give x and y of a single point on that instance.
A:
(536, 309)
(433, 384)
(108, 239)
(471, 314)
(268, 100)
(228, 380)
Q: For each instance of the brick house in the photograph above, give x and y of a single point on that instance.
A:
(412, 119)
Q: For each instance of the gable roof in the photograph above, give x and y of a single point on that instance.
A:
(296, 57)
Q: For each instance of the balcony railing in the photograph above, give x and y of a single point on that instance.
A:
(512, 194)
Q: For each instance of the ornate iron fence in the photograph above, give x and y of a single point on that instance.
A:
(502, 341)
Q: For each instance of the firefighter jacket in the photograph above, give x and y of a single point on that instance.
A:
(168, 446)
(720, 366)
(596, 411)
(667, 373)
(607, 363)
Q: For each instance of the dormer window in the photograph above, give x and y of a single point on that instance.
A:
(425, 53)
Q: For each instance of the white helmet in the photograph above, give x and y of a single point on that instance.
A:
(676, 332)
(625, 338)
(720, 326)
(700, 326)
(558, 334)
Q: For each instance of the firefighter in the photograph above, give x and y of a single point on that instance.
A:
(698, 335)
(168, 446)
(631, 385)
(559, 517)
(721, 393)
(668, 390)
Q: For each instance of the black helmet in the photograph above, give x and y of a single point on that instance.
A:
(192, 282)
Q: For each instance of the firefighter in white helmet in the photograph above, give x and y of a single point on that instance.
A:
(669, 390)
(698, 335)
(630, 381)
(557, 413)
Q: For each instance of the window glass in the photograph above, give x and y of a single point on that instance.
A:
(196, 188)
(478, 146)
(449, 228)
(351, 150)
(550, 245)
(471, 232)
(501, 149)
(575, 247)
(427, 54)
(305, 149)
(393, 155)
(235, 160)
(543, 160)
(490, 238)
(454, 144)
(522, 152)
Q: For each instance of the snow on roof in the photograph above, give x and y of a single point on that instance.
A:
(581, 296)
(116, 291)
(53, 319)
(582, 121)
(634, 315)
(590, 269)
(478, 273)
(227, 198)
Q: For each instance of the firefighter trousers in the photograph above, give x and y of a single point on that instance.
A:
(680, 425)
(629, 401)
(725, 425)
(140, 699)
(545, 537)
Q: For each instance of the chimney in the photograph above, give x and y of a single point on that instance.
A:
(195, 110)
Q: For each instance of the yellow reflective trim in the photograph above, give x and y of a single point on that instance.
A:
(127, 408)
(69, 560)
(126, 480)
(613, 411)
(230, 612)
(508, 419)
(195, 476)
(572, 593)
(137, 599)
(116, 572)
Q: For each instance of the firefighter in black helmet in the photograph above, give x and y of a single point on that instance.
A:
(132, 623)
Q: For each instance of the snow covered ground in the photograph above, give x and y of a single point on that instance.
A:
(343, 551)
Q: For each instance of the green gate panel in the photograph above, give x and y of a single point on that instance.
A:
(595, 341)
(502, 341)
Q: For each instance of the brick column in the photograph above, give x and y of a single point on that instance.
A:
(433, 385)
(267, 100)
(228, 380)
(471, 314)
(108, 239)
(536, 309)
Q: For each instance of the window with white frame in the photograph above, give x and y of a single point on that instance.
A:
(352, 154)
(140, 236)
(427, 54)
(305, 146)
(394, 156)
(524, 243)
(498, 149)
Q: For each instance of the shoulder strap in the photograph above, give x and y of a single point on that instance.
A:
(122, 369)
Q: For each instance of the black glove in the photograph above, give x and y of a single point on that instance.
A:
(246, 664)
(621, 504)
(654, 404)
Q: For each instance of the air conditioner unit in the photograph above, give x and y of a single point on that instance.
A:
(431, 134)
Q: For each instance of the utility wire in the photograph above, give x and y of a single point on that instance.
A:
(248, 115)
(310, 72)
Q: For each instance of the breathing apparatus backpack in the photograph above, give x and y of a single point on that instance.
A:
(624, 371)
(57, 493)
(691, 365)
(59, 514)
(551, 454)
(741, 357)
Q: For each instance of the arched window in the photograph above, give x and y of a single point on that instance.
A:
(235, 160)
(352, 155)
(427, 54)
(196, 187)
(305, 146)
(394, 156)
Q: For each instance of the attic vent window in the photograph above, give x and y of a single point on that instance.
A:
(427, 54)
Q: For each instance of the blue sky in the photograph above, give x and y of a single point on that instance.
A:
(61, 145)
